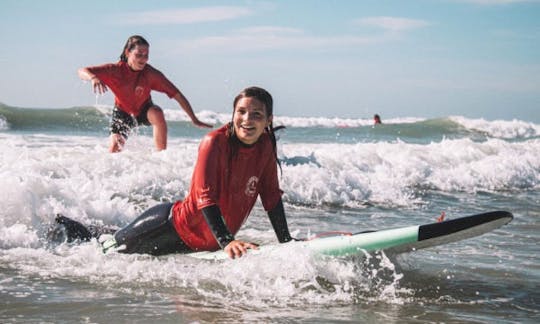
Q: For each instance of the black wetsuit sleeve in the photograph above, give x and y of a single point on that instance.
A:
(215, 221)
(279, 223)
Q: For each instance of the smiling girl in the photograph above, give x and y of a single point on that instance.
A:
(131, 80)
(236, 164)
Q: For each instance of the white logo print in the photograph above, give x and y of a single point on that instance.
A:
(139, 91)
(251, 186)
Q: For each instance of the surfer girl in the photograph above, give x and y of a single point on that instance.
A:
(236, 164)
(131, 80)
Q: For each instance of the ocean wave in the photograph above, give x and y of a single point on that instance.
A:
(42, 119)
(500, 128)
(67, 173)
(311, 129)
(402, 174)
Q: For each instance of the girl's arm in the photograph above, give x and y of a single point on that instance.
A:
(234, 248)
(98, 86)
(279, 222)
(186, 106)
(215, 221)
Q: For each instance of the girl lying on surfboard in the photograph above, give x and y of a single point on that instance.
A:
(236, 163)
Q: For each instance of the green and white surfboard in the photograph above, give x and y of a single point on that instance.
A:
(397, 240)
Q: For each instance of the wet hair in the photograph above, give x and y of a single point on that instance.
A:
(266, 98)
(131, 42)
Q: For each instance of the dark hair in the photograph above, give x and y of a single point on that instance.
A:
(266, 98)
(131, 42)
(261, 95)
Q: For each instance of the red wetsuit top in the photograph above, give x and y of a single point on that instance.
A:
(233, 183)
(132, 88)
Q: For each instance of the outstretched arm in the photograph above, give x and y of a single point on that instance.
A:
(186, 106)
(98, 86)
(279, 222)
(234, 248)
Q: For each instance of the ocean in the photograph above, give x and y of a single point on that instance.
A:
(337, 175)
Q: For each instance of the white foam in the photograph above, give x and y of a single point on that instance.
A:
(261, 280)
(4, 125)
(500, 128)
(17, 235)
(393, 173)
(223, 118)
(45, 174)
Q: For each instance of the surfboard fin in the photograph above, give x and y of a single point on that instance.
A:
(441, 217)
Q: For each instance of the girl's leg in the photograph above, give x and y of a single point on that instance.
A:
(157, 119)
(117, 142)
(152, 233)
(120, 127)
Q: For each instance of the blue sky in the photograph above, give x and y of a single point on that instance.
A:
(349, 59)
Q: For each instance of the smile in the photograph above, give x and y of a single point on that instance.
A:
(248, 128)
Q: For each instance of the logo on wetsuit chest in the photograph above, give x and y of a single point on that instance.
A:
(139, 91)
(251, 186)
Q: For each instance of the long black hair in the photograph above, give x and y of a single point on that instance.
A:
(266, 98)
(131, 42)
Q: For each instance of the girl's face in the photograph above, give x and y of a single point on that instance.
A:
(137, 57)
(250, 120)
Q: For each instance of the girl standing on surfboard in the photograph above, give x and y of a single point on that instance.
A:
(131, 80)
(236, 164)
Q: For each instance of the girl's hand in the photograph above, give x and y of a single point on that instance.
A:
(98, 86)
(238, 248)
(199, 123)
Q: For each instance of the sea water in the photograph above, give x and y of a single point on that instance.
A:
(337, 175)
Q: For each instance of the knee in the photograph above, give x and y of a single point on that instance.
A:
(156, 116)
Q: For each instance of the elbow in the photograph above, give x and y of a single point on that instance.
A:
(83, 73)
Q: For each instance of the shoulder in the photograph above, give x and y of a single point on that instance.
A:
(107, 66)
(265, 141)
(216, 138)
(153, 71)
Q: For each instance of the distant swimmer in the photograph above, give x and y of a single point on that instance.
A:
(376, 119)
(131, 80)
(236, 165)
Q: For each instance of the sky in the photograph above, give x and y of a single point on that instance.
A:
(345, 59)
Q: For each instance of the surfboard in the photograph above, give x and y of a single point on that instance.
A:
(395, 240)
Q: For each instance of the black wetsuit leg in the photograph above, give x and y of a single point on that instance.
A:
(152, 233)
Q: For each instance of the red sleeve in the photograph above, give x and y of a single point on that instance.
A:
(206, 176)
(162, 84)
(105, 72)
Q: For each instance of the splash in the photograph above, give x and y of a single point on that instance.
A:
(261, 280)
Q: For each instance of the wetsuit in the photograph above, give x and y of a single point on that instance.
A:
(132, 92)
(227, 180)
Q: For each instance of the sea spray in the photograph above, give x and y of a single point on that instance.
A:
(347, 175)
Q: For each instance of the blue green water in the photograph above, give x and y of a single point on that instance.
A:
(338, 175)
